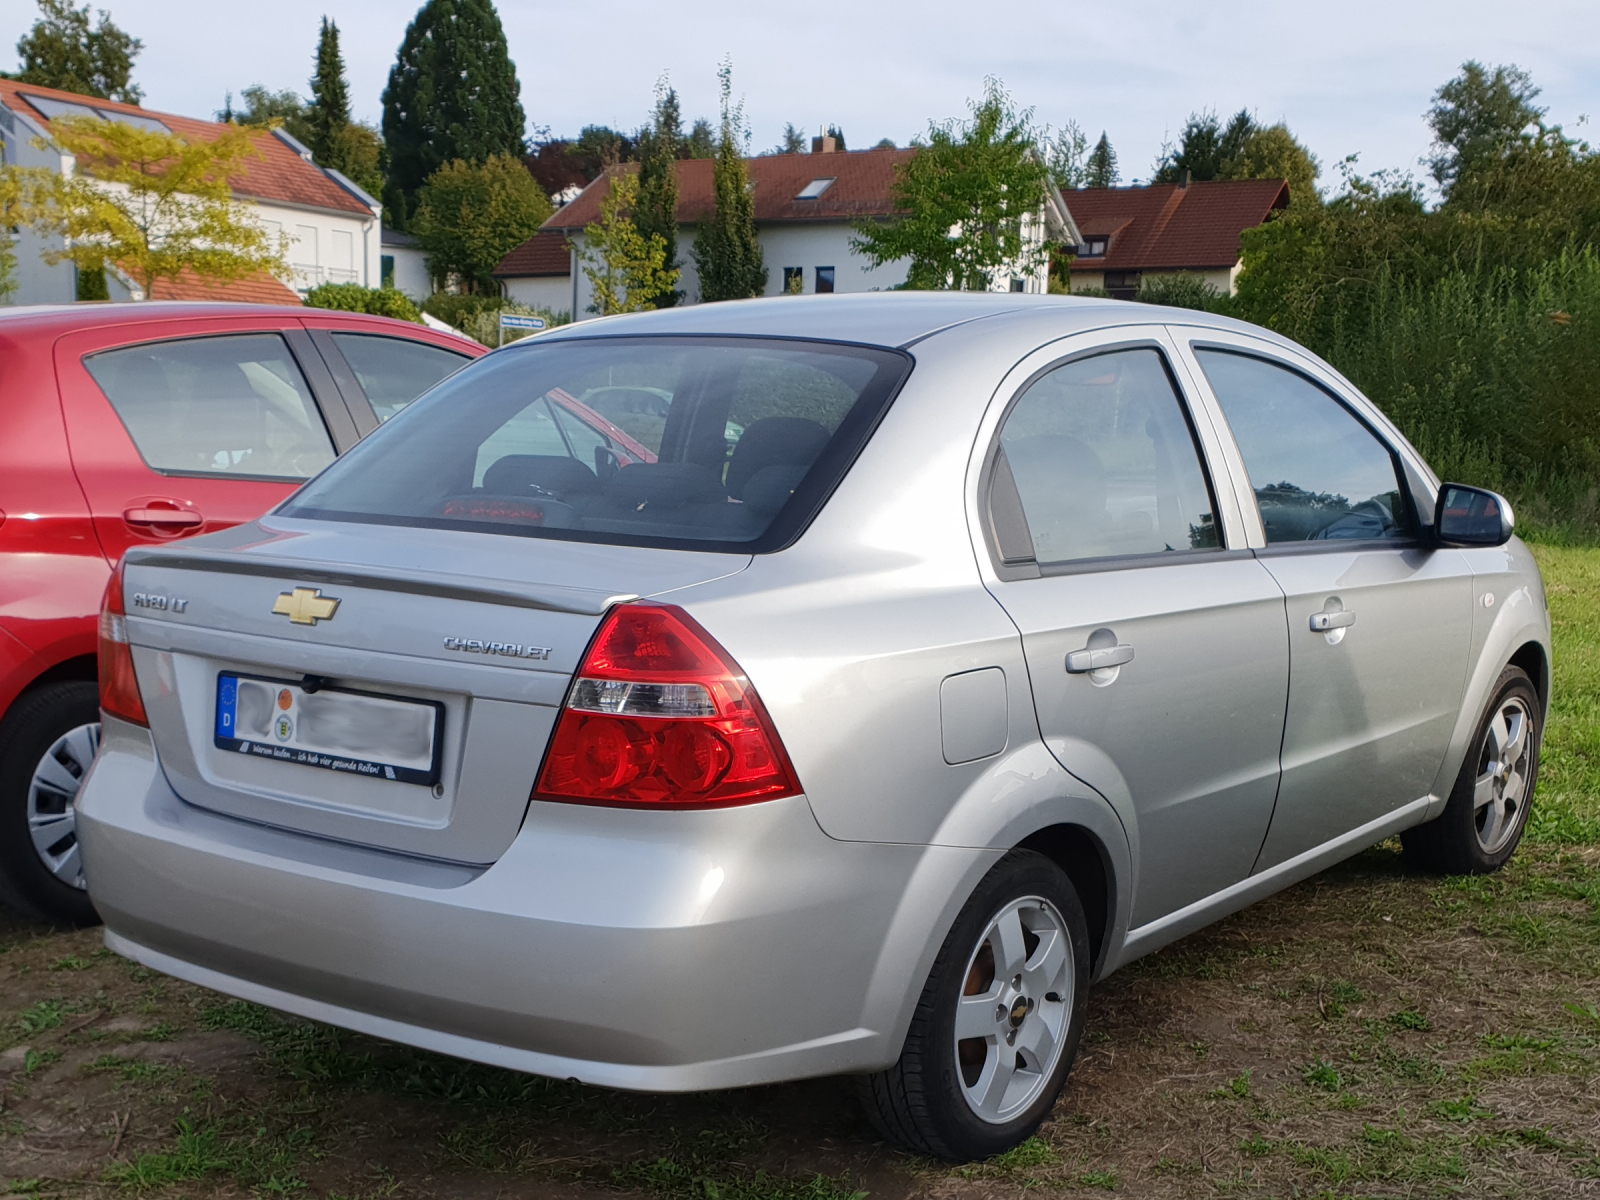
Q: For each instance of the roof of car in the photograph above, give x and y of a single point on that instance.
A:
(872, 318)
(65, 318)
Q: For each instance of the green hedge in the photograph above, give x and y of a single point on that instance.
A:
(352, 297)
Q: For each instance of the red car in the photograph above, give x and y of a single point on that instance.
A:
(127, 424)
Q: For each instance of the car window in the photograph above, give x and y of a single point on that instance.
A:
(1105, 462)
(228, 405)
(657, 441)
(394, 371)
(1318, 472)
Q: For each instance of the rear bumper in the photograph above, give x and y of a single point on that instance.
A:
(653, 951)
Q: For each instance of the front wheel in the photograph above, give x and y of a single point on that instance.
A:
(47, 743)
(998, 1023)
(1488, 810)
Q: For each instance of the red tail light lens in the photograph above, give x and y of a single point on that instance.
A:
(119, 688)
(659, 714)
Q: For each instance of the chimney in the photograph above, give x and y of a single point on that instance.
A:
(824, 144)
(1183, 178)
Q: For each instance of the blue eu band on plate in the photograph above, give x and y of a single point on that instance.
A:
(381, 737)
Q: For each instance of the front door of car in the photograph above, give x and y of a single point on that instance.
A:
(1379, 624)
(1155, 641)
(194, 426)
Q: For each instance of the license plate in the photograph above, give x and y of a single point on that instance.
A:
(361, 733)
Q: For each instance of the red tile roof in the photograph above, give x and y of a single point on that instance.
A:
(279, 173)
(254, 289)
(546, 253)
(863, 183)
(1166, 227)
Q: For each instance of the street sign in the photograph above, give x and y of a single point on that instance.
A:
(517, 321)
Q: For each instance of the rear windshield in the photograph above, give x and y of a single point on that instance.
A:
(703, 443)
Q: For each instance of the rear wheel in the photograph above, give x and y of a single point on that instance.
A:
(999, 1021)
(1488, 809)
(47, 742)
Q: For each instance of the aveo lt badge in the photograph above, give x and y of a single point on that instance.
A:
(306, 606)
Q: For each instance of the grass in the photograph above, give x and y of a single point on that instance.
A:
(1369, 1032)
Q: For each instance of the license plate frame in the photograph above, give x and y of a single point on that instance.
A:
(291, 748)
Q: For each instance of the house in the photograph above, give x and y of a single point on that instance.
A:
(806, 209)
(1129, 234)
(404, 265)
(332, 224)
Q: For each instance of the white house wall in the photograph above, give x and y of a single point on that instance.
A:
(411, 272)
(552, 293)
(325, 247)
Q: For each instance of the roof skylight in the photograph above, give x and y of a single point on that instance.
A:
(815, 188)
(53, 108)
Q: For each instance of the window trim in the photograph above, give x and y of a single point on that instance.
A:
(1416, 538)
(1032, 568)
(322, 401)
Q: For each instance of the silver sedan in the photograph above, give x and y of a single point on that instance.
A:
(870, 676)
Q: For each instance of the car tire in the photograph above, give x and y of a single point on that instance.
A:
(59, 722)
(1484, 819)
(956, 1099)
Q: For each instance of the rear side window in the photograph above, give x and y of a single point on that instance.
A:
(395, 371)
(711, 443)
(1105, 463)
(1318, 472)
(229, 405)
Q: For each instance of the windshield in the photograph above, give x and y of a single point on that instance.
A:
(705, 443)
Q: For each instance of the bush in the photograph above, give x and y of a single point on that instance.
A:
(1184, 290)
(352, 297)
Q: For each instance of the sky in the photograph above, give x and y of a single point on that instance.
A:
(1351, 78)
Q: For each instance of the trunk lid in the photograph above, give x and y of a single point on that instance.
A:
(475, 635)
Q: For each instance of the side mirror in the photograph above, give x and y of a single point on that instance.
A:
(1469, 516)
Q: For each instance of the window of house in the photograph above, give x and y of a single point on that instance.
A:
(815, 188)
(234, 405)
(1018, 284)
(1122, 285)
(1094, 247)
(386, 270)
(824, 279)
(794, 280)
(1104, 461)
(1318, 472)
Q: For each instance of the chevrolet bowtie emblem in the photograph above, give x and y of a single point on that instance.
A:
(306, 606)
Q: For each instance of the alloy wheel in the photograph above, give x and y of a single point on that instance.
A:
(1500, 794)
(1011, 1019)
(52, 819)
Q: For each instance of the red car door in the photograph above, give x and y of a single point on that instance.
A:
(191, 426)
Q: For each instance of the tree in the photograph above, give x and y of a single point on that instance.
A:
(627, 268)
(168, 207)
(1480, 116)
(330, 98)
(1064, 154)
(793, 141)
(1206, 148)
(1274, 153)
(471, 215)
(967, 193)
(265, 107)
(62, 51)
(656, 213)
(452, 94)
(702, 140)
(727, 255)
(1101, 169)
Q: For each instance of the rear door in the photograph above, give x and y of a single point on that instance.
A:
(190, 427)
(1155, 641)
(1379, 623)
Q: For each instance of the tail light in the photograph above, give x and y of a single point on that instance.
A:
(659, 714)
(119, 687)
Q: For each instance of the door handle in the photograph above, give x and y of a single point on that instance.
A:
(1325, 622)
(1081, 662)
(164, 517)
